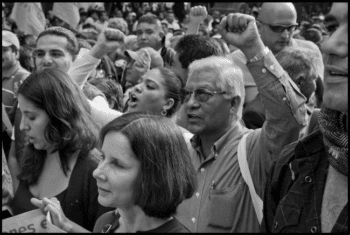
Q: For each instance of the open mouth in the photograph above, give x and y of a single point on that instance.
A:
(334, 73)
(132, 99)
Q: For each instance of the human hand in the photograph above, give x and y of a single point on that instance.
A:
(198, 14)
(108, 40)
(240, 30)
(143, 64)
(53, 206)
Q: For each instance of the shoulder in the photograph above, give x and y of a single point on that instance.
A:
(172, 226)
(103, 221)
(304, 43)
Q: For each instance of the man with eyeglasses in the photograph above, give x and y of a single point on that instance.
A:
(276, 24)
(213, 103)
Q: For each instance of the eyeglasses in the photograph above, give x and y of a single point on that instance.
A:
(280, 28)
(201, 95)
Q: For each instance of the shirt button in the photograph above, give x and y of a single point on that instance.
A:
(308, 179)
(284, 99)
(197, 194)
(202, 169)
(264, 70)
(193, 220)
(313, 229)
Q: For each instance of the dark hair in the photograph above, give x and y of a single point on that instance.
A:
(25, 58)
(70, 128)
(72, 45)
(112, 90)
(173, 85)
(195, 47)
(166, 175)
(150, 19)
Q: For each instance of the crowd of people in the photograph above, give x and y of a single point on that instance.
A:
(139, 120)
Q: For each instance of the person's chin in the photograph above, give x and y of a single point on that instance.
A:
(336, 101)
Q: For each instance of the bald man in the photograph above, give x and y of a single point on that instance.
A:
(276, 24)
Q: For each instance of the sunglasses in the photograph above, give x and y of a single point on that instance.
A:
(201, 95)
(280, 28)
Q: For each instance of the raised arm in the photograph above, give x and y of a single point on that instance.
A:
(108, 40)
(284, 104)
(197, 16)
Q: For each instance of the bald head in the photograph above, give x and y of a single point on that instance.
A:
(274, 14)
(278, 12)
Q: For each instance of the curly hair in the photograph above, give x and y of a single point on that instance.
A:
(70, 128)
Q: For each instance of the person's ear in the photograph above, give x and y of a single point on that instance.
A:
(161, 33)
(169, 104)
(235, 103)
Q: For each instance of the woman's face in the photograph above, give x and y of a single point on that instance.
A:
(117, 172)
(34, 122)
(149, 94)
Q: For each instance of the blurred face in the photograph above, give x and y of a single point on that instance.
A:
(149, 94)
(335, 49)
(148, 35)
(8, 57)
(117, 172)
(170, 17)
(210, 117)
(34, 122)
(131, 75)
(276, 41)
(51, 52)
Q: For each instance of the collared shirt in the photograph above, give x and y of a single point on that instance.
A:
(222, 202)
(11, 80)
(295, 189)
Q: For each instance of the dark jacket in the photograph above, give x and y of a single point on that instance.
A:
(294, 191)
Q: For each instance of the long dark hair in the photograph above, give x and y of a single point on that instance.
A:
(70, 128)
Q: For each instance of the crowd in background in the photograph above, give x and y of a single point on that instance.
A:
(147, 80)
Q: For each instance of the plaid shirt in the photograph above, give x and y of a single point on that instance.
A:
(294, 192)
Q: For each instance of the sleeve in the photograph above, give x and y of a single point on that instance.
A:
(285, 113)
(102, 115)
(82, 66)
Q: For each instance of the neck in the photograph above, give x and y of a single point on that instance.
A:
(134, 219)
(208, 141)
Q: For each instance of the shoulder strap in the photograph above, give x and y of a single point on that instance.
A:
(243, 165)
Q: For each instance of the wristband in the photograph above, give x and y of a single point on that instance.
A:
(260, 55)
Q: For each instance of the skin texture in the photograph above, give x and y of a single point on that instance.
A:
(210, 118)
(8, 57)
(149, 35)
(335, 48)
(276, 14)
(51, 52)
(117, 172)
(150, 94)
(33, 123)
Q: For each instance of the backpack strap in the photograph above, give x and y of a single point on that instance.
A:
(243, 165)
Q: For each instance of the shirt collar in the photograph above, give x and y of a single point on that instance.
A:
(234, 133)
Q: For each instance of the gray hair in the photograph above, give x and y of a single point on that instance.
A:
(229, 76)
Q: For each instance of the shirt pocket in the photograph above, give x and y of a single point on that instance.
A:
(222, 206)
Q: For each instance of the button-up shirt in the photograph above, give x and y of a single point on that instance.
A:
(222, 202)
